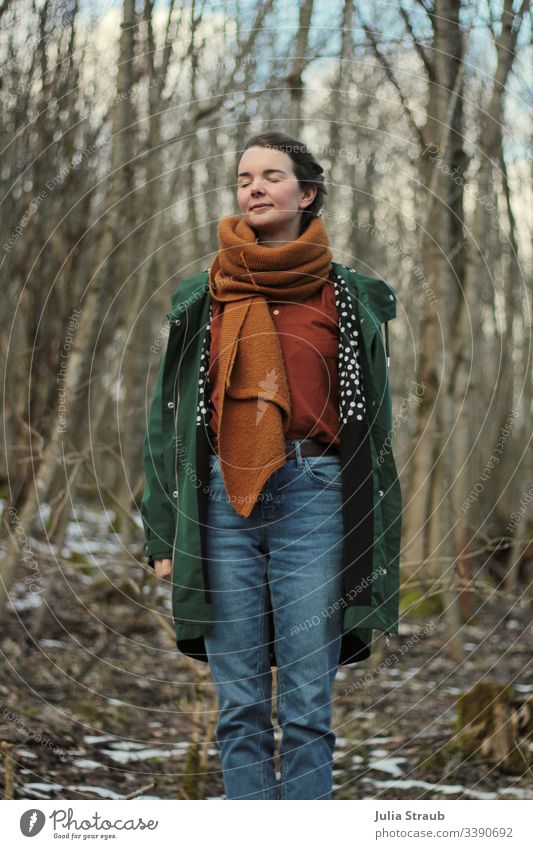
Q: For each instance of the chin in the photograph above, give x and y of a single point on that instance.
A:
(267, 222)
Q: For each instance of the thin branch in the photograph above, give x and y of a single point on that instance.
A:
(387, 67)
(428, 7)
(470, 555)
(418, 46)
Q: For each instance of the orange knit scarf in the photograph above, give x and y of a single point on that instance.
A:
(254, 399)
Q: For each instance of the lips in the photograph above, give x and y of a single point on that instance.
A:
(261, 206)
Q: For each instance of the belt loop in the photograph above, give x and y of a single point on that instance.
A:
(298, 452)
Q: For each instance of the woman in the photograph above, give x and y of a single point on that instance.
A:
(284, 520)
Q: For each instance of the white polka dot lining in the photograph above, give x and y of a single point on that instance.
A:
(204, 391)
(351, 396)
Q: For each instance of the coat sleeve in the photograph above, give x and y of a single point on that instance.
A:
(158, 510)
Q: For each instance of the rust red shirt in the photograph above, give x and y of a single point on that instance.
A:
(308, 333)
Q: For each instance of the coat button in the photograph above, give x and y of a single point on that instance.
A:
(391, 297)
(170, 405)
(177, 321)
(381, 492)
(175, 494)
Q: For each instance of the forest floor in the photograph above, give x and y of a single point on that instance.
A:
(96, 702)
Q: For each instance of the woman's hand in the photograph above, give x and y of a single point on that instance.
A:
(163, 568)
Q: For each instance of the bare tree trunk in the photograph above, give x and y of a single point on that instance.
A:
(299, 61)
(441, 251)
(469, 390)
(84, 339)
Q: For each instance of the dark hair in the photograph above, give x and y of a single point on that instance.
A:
(306, 169)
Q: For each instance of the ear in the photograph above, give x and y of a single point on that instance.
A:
(309, 194)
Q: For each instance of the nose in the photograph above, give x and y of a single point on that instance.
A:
(257, 188)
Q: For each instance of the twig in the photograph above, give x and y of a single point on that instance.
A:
(9, 771)
(140, 791)
(470, 555)
(160, 618)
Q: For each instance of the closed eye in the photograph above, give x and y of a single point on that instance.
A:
(270, 179)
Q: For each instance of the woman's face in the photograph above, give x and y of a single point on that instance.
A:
(266, 180)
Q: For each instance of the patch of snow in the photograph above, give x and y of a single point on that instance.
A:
(390, 765)
(142, 754)
(84, 763)
(30, 601)
(41, 787)
(519, 792)
(91, 739)
(447, 789)
(103, 792)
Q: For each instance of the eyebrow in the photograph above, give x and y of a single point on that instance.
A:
(266, 171)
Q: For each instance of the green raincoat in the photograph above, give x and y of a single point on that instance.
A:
(176, 451)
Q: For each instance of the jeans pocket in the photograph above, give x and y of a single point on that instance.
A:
(324, 470)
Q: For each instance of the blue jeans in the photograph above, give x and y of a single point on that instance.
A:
(291, 547)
